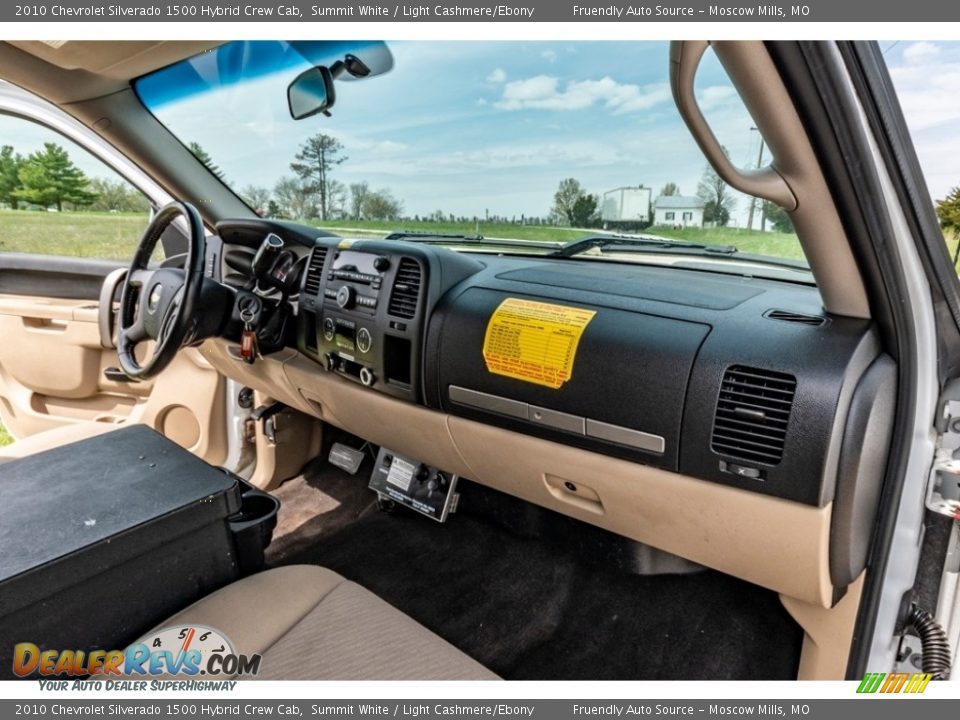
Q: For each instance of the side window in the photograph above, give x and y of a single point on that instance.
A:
(58, 199)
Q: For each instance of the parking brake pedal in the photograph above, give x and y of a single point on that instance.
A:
(265, 414)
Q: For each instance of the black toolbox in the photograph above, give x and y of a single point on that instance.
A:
(102, 539)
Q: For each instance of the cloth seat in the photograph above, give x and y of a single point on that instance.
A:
(309, 623)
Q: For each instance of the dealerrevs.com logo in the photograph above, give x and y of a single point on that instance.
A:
(190, 651)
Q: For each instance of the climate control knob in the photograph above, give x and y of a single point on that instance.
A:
(346, 296)
(367, 377)
(329, 329)
(364, 341)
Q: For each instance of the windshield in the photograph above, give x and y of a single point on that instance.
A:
(545, 142)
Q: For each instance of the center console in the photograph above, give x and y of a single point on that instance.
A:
(363, 308)
(360, 315)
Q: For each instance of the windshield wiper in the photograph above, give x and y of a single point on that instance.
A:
(580, 245)
(440, 238)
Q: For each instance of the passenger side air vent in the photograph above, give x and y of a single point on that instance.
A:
(311, 284)
(753, 411)
(406, 289)
(801, 318)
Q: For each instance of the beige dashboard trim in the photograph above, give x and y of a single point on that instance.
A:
(774, 543)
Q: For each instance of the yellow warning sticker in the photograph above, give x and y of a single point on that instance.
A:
(534, 341)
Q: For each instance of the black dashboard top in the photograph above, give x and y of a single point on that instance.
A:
(728, 378)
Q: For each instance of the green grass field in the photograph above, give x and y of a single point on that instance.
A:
(107, 236)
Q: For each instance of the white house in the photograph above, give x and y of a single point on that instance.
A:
(678, 211)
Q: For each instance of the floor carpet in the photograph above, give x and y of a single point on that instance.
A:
(529, 608)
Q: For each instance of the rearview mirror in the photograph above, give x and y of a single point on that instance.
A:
(311, 92)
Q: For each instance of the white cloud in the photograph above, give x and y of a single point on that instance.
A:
(543, 92)
(927, 80)
(715, 96)
(549, 55)
(497, 76)
(481, 102)
(920, 51)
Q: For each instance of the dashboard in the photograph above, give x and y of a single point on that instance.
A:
(732, 380)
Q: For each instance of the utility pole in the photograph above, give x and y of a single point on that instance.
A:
(753, 200)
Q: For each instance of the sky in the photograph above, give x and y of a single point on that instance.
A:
(471, 128)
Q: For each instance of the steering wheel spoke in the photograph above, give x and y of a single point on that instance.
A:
(138, 278)
(136, 333)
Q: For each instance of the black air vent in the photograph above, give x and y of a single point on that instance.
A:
(753, 411)
(801, 318)
(239, 267)
(406, 289)
(311, 284)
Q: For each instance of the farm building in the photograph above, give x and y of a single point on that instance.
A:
(678, 210)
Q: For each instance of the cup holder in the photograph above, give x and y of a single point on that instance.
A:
(252, 526)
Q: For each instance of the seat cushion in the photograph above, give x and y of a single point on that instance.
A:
(309, 623)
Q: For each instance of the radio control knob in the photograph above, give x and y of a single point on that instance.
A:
(367, 377)
(364, 341)
(381, 263)
(346, 296)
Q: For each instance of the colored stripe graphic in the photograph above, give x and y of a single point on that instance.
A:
(913, 683)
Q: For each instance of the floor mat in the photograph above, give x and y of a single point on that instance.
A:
(318, 503)
(529, 609)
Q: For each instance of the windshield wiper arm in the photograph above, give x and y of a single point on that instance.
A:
(575, 247)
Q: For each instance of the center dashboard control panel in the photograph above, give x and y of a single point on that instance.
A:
(361, 314)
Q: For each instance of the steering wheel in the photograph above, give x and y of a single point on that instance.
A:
(160, 305)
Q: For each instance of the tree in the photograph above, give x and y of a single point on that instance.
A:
(10, 163)
(205, 158)
(336, 199)
(257, 198)
(358, 195)
(317, 157)
(584, 211)
(777, 216)
(117, 196)
(48, 177)
(948, 211)
(718, 199)
(671, 188)
(381, 205)
(564, 199)
(295, 198)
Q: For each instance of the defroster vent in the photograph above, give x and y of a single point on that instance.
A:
(406, 289)
(753, 411)
(311, 284)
